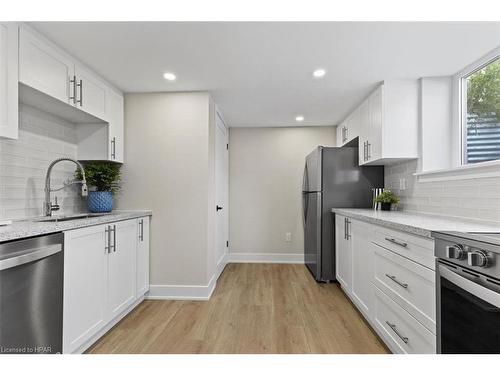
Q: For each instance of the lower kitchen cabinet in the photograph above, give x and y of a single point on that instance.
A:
(121, 265)
(142, 285)
(343, 252)
(387, 274)
(102, 265)
(354, 256)
(85, 281)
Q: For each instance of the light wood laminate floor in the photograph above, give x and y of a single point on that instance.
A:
(255, 308)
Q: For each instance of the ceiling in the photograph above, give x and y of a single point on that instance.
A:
(260, 73)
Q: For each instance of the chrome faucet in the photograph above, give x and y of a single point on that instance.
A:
(48, 207)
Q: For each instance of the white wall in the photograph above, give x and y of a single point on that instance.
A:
(265, 181)
(24, 162)
(169, 169)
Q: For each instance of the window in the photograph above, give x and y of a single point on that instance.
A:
(481, 113)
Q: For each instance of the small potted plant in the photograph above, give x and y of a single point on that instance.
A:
(386, 199)
(103, 178)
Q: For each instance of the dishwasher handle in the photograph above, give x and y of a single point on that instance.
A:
(30, 256)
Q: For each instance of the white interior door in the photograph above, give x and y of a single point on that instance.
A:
(221, 193)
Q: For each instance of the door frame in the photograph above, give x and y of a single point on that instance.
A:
(220, 263)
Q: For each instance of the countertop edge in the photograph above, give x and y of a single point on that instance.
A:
(388, 224)
(19, 230)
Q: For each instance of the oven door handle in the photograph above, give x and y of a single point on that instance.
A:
(477, 290)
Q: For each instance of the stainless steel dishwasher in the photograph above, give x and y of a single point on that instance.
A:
(31, 295)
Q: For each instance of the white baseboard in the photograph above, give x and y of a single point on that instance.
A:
(182, 292)
(266, 258)
(221, 264)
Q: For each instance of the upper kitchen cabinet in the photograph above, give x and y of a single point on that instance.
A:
(44, 68)
(8, 80)
(55, 82)
(349, 128)
(389, 124)
(89, 92)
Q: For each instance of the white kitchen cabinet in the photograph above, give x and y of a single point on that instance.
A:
(349, 128)
(115, 127)
(389, 276)
(121, 265)
(389, 133)
(103, 268)
(90, 92)
(343, 253)
(142, 284)
(362, 265)
(85, 281)
(8, 80)
(44, 67)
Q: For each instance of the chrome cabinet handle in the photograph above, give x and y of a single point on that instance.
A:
(345, 228)
(113, 148)
(114, 238)
(396, 242)
(393, 327)
(348, 229)
(364, 150)
(73, 81)
(80, 85)
(141, 232)
(369, 150)
(393, 278)
(107, 246)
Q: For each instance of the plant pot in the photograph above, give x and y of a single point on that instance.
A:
(100, 201)
(384, 206)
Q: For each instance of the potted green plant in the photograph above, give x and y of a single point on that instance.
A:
(104, 179)
(386, 199)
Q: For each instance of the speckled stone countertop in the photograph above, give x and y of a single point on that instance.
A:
(418, 224)
(33, 227)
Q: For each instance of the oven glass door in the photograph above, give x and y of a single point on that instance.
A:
(469, 313)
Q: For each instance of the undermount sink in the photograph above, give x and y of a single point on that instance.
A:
(68, 218)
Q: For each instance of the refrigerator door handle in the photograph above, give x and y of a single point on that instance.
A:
(304, 209)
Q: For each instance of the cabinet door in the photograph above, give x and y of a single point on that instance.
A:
(121, 266)
(364, 131)
(85, 280)
(44, 68)
(142, 256)
(376, 120)
(90, 93)
(9, 80)
(115, 131)
(343, 255)
(362, 266)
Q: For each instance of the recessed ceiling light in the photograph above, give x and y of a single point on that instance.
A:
(169, 76)
(299, 118)
(318, 73)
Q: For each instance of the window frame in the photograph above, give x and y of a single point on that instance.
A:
(461, 93)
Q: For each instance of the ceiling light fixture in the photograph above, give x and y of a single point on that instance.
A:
(299, 118)
(169, 76)
(319, 73)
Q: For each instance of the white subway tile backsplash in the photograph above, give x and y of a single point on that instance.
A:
(24, 162)
(470, 198)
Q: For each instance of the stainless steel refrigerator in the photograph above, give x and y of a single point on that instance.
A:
(332, 178)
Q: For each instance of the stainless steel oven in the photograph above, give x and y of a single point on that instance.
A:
(468, 293)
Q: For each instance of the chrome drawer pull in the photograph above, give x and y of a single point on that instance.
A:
(393, 327)
(392, 240)
(393, 278)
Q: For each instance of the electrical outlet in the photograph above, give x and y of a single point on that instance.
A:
(288, 237)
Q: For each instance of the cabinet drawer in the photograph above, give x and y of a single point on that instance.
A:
(416, 248)
(400, 331)
(411, 285)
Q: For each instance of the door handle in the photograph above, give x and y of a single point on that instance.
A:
(217, 208)
(141, 232)
(113, 148)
